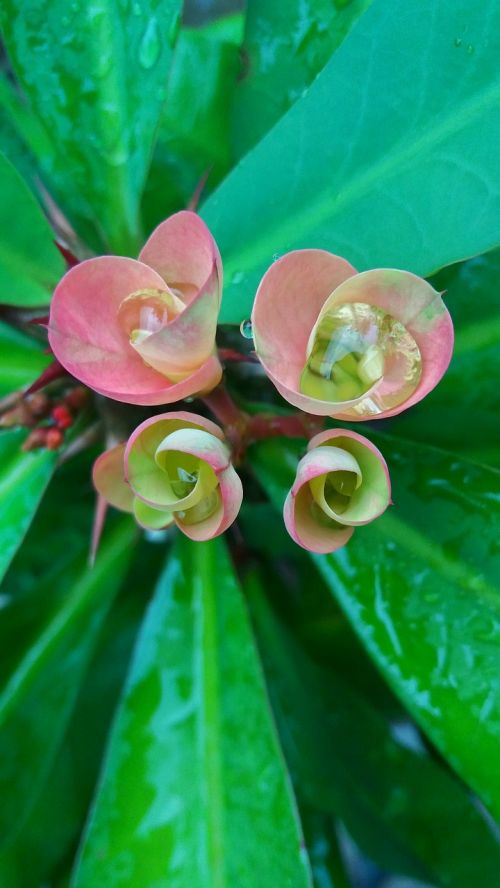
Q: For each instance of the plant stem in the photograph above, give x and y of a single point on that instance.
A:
(242, 429)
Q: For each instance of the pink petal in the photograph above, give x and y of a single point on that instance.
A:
(108, 475)
(88, 341)
(374, 494)
(141, 470)
(199, 383)
(182, 250)
(306, 531)
(188, 340)
(288, 301)
(199, 443)
(320, 461)
(413, 302)
(231, 496)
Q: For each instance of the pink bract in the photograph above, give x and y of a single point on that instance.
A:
(304, 284)
(133, 478)
(309, 519)
(181, 261)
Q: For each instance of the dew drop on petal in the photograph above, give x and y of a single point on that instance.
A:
(182, 471)
(246, 329)
(145, 312)
(356, 348)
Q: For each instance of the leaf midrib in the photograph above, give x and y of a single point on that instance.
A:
(327, 204)
(210, 727)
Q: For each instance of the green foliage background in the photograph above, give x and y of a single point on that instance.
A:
(208, 715)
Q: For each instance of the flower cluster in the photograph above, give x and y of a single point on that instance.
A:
(335, 343)
(174, 467)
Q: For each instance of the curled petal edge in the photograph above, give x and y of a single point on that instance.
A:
(231, 497)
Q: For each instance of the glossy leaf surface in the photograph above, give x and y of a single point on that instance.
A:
(22, 359)
(286, 44)
(194, 133)
(463, 413)
(100, 124)
(37, 700)
(30, 264)
(49, 837)
(347, 760)
(194, 790)
(384, 169)
(23, 479)
(419, 586)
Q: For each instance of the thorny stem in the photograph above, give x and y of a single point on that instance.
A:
(241, 429)
(195, 199)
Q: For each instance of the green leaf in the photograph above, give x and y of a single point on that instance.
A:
(193, 759)
(23, 360)
(193, 138)
(419, 586)
(463, 412)
(49, 837)
(37, 701)
(23, 479)
(390, 159)
(89, 89)
(18, 129)
(30, 264)
(347, 760)
(286, 44)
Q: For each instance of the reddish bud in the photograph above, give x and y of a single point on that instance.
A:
(53, 439)
(62, 417)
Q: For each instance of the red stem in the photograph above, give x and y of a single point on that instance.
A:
(220, 402)
(230, 354)
(193, 203)
(241, 429)
(298, 425)
(52, 372)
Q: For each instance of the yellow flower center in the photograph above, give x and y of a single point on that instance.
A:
(146, 311)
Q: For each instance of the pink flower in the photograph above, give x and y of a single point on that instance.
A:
(143, 331)
(353, 346)
(341, 482)
(176, 468)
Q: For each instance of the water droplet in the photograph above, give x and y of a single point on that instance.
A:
(145, 312)
(354, 347)
(136, 8)
(246, 329)
(237, 277)
(470, 49)
(276, 256)
(157, 536)
(149, 50)
(458, 41)
(189, 400)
